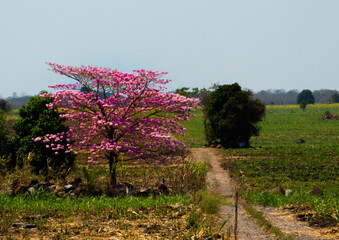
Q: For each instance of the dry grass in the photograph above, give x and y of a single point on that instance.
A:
(177, 216)
(164, 222)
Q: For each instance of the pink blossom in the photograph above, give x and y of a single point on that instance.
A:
(128, 116)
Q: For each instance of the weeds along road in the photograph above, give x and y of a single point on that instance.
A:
(221, 183)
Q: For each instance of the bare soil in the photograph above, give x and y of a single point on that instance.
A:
(220, 182)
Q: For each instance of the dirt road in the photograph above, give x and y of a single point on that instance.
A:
(221, 183)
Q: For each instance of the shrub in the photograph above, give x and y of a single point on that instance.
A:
(231, 116)
(37, 120)
(303, 105)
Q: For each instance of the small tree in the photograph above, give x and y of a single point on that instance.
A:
(305, 95)
(4, 105)
(231, 116)
(119, 115)
(303, 105)
(37, 120)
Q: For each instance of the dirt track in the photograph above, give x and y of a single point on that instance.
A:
(221, 183)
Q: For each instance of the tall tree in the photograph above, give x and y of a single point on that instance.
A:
(119, 115)
(305, 95)
(231, 116)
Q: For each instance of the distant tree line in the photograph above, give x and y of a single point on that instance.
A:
(271, 97)
(277, 97)
(282, 97)
(268, 97)
(326, 96)
(18, 102)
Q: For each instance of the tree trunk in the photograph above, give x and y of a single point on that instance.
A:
(113, 159)
(113, 175)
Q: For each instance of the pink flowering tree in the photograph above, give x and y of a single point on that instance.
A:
(115, 115)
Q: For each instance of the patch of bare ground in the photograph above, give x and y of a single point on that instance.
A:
(287, 222)
(221, 183)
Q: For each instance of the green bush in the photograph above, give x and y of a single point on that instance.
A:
(303, 105)
(305, 95)
(231, 116)
(37, 120)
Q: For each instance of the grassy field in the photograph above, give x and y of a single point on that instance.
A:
(194, 136)
(284, 124)
(278, 161)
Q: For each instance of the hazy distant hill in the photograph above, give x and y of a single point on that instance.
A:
(18, 102)
(277, 97)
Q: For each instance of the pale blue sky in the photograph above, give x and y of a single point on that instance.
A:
(287, 44)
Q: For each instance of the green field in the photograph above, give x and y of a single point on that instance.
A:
(278, 161)
(284, 124)
(194, 136)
